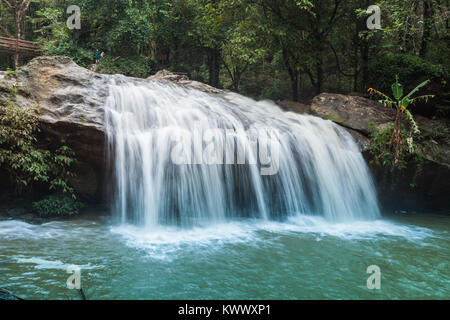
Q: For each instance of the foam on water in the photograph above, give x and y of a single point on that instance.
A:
(165, 241)
(242, 230)
(50, 264)
(15, 229)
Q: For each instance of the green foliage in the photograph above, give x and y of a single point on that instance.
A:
(131, 66)
(380, 148)
(385, 68)
(400, 101)
(57, 205)
(131, 32)
(279, 49)
(406, 27)
(11, 91)
(398, 141)
(25, 161)
(10, 73)
(57, 39)
(234, 28)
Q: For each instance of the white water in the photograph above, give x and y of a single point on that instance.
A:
(320, 169)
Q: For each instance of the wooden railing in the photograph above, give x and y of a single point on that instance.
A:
(18, 46)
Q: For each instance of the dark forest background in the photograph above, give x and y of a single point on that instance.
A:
(275, 49)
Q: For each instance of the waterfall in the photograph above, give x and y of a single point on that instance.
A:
(184, 157)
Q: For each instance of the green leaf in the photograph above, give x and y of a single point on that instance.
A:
(397, 89)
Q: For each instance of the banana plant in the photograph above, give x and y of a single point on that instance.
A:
(401, 103)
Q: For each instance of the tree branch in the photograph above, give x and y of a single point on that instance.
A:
(24, 5)
(338, 64)
(5, 31)
(9, 4)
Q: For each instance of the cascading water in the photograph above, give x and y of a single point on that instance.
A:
(317, 168)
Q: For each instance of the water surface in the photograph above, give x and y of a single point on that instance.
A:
(301, 258)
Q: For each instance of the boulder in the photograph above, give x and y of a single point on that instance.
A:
(295, 106)
(301, 108)
(183, 80)
(416, 188)
(435, 142)
(70, 101)
(351, 111)
(425, 186)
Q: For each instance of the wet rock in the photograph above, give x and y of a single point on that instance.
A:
(295, 106)
(435, 142)
(182, 79)
(419, 188)
(15, 212)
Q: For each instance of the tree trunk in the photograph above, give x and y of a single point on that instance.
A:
(396, 139)
(319, 69)
(293, 74)
(355, 68)
(214, 67)
(365, 65)
(20, 9)
(426, 28)
(235, 81)
(295, 83)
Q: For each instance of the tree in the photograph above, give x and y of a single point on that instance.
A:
(302, 29)
(237, 35)
(19, 8)
(401, 103)
(284, 24)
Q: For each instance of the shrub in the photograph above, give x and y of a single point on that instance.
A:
(380, 148)
(383, 69)
(401, 102)
(137, 66)
(24, 160)
(58, 205)
(70, 48)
